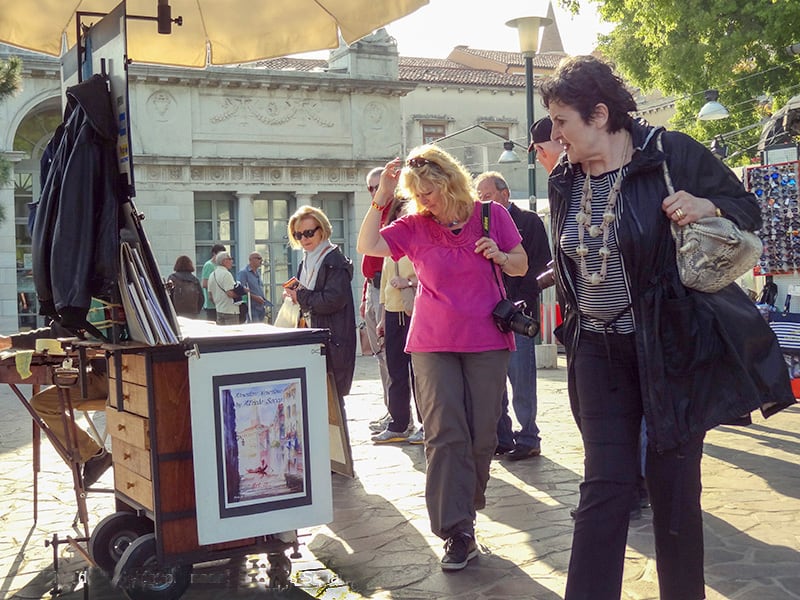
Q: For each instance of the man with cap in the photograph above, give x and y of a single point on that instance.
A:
(547, 151)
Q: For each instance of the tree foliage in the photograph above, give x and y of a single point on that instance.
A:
(684, 47)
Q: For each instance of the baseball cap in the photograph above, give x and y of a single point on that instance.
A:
(540, 132)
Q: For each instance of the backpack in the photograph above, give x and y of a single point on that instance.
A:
(187, 296)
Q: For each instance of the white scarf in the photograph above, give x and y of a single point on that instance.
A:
(312, 261)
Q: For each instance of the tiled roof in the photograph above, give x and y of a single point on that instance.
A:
(443, 71)
(286, 63)
(545, 61)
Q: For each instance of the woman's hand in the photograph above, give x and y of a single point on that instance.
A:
(488, 247)
(291, 293)
(399, 282)
(388, 181)
(684, 208)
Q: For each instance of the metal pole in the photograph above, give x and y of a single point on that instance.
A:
(531, 155)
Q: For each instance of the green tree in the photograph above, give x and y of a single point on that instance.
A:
(684, 47)
(10, 81)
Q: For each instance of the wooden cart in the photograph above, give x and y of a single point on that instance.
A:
(163, 481)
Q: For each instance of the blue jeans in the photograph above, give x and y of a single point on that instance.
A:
(522, 375)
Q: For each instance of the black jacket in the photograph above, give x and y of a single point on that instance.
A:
(704, 359)
(331, 306)
(537, 247)
(75, 238)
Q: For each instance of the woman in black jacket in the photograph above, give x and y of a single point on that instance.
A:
(640, 344)
(324, 292)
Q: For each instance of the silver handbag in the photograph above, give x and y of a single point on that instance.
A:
(712, 252)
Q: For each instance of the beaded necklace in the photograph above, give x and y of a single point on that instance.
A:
(584, 220)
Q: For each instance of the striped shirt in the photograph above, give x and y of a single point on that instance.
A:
(598, 304)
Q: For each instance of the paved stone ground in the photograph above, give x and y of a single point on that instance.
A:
(379, 545)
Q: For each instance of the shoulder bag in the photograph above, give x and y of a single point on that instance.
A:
(712, 252)
(407, 294)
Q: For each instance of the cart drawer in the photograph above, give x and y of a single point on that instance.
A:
(128, 427)
(134, 486)
(134, 367)
(132, 458)
(134, 397)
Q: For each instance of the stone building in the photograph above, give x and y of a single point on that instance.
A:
(225, 155)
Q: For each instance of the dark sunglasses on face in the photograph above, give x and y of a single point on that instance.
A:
(418, 161)
(372, 189)
(308, 233)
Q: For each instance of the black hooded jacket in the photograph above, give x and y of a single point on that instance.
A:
(704, 359)
(331, 306)
(75, 237)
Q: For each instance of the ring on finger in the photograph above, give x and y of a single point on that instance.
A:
(679, 213)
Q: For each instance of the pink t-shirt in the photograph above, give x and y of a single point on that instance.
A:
(457, 291)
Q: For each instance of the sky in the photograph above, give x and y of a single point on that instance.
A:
(434, 30)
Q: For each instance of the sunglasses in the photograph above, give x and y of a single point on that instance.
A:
(372, 189)
(308, 233)
(418, 162)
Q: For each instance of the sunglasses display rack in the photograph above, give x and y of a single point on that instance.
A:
(775, 188)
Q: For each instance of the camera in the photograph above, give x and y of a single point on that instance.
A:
(510, 316)
(546, 279)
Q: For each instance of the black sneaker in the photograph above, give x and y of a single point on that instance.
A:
(458, 551)
(95, 467)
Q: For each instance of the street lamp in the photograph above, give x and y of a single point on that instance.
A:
(712, 110)
(528, 28)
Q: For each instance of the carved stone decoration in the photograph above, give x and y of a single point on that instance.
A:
(161, 106)
(237, 173)
(276, 174)
(296, 174)
(334, 175)
(216, 173)
(196, 173)
(175, 173)
(154, 173)
(315, 174)
(351, 175)
(257, 174)
(271, 112)
(375, 115)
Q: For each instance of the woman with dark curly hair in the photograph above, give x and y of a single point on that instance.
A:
(186, 291)
(638, 342)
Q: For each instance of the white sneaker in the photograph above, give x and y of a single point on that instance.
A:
(381, 424)
(418, 437)
(389, 437)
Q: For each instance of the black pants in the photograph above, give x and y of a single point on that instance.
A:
(401, 374)
(609, 412)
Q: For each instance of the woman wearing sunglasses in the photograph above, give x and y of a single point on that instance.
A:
(324, 293)
(459, 356)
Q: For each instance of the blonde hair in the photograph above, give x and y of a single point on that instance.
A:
(316, 214)
(443, 171)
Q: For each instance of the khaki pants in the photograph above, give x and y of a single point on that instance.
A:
(48, 407)
(459, 397)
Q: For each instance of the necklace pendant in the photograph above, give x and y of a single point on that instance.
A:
(594, 231)
(581, 250)
(596, 279)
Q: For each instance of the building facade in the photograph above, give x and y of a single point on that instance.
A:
(225, 155)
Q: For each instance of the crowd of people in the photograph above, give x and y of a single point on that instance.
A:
(450, 299)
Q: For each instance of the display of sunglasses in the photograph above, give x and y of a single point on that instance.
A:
(308, 233)
(418, 162)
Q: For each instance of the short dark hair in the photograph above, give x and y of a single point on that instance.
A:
(217, 248)
(183, 264)
(583, 82)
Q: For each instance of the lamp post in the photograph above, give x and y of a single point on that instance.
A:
(528, 28)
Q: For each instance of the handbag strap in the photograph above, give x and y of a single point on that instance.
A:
(485, 223)
(664, 167)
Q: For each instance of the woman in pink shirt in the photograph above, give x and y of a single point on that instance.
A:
(460, 357)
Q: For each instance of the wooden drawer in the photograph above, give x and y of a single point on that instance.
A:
(134, 397)
(128, 427)
(134, 486)
(134, 367)
(132, 458)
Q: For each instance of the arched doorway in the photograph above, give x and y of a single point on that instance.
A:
(31, 137)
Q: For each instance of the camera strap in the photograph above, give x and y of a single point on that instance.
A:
(485, 223)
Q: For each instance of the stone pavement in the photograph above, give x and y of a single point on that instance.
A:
(379, 545)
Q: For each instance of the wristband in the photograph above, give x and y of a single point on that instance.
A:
(377, 206)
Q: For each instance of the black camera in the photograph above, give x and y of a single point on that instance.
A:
(510, 316)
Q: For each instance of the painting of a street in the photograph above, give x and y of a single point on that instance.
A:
(262, 425)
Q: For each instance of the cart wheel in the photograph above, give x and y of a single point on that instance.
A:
(279, 570)
(142, 578)
(113, 535)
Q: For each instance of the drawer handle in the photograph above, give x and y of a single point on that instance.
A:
(130, 484)
(126, 397)
(120, 427)
(124, 368)
(126, 456)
